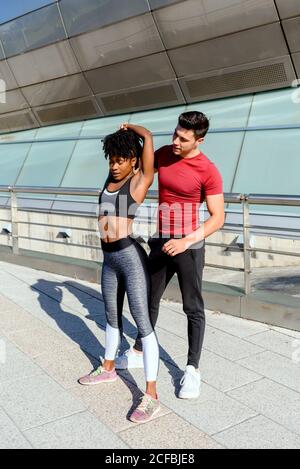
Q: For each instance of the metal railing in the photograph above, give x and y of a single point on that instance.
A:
(232, 198)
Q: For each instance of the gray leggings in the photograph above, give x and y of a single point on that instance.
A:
(125, 269)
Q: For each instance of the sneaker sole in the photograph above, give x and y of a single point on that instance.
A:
(128, 368)
(145, 421)
(99, 382)
(188, 396)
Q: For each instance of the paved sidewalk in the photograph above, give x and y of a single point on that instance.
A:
(52, 332)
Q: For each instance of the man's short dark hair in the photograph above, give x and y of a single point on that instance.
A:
(196, 121)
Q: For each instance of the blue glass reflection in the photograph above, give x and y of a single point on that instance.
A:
(15, 8)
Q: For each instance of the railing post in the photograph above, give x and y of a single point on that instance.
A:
(247, 253)
(14, 221)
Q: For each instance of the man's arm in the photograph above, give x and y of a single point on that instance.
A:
(215, 206)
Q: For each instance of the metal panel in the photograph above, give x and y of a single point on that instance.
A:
(7, 76)
(255, 76)
(15, 101)
(2, 55)
(288, 8)
(44, 64)
(129, 39)
(69, 111)
(292, 31)
(150, 97)
(61, 89)
(197, 20)
(80, 17)
(151, 69)
(296, 60)
(17, 121)
(238, 48)
(31, 31)
(162, 3)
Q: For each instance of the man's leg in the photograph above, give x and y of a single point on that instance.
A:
(189, 267)
(161, 271)
(189, 271)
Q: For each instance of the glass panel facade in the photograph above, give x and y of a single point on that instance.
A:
(160, 120)
(45, 164)
(103, 126)
(31, 31)
(224, 150)
(229, 112)
(250, 161)
(15, 8)
(12, 158)
(80, 17)
(276, 108)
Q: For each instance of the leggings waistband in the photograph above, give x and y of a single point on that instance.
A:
(117, 245)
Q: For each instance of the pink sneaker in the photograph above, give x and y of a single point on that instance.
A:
(145, 410)
(100, 375)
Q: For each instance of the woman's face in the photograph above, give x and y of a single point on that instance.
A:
(121, 167)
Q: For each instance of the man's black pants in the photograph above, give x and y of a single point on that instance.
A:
(189, 268)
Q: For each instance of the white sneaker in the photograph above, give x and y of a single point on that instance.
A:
(129, 359)
(190, 383)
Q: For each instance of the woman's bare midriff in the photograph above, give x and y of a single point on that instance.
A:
(114, 228)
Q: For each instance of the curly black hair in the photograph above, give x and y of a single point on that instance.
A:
(125, 143)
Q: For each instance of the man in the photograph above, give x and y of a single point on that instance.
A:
(186, 178)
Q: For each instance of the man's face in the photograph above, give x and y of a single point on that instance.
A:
(120, 167)
(184, 142)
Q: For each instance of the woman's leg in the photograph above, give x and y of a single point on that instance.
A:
(138, 291)
(113, 290)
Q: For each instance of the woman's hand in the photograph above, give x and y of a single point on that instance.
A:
(138, 129)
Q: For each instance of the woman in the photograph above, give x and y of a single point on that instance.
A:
(124, 268)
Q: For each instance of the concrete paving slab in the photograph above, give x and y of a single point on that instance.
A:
(272, 400)
(233, 325)
(42, 339)
(36, 401)
(114, 402)
(275, 342)
(276, 367)
(67, 367)
(227, 345)
(211, 411)
(258, 433)
(17, 319)
(168, 432)
(214, 414)
(80, 431)
(288, 332)
(17, 366)
(221, 373)
(171, 321)
(10, 436)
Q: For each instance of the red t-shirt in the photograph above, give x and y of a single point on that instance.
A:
(183, 185)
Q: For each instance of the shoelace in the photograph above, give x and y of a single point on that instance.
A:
(186, 377)
(145, 403)
(98, 371)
